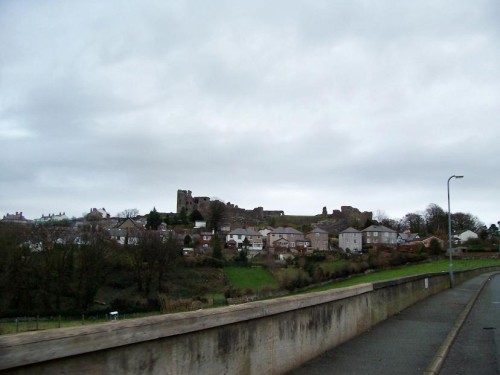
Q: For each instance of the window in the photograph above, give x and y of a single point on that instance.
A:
(375, 234)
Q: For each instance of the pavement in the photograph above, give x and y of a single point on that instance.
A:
(415, 341)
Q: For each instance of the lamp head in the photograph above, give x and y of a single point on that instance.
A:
(459, 176)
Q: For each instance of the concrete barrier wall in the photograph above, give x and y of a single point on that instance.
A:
(269, 337)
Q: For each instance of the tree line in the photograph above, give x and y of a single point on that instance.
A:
(434, 221)
(49, 269)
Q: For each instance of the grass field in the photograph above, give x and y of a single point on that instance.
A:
(250, 278)
(416, 269)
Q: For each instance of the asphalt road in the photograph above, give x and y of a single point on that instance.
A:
(476, 350)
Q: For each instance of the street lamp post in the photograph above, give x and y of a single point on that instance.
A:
(449, 230)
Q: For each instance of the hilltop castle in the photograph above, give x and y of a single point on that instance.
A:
(188, 203)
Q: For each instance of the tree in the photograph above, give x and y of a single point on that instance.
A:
(216, 214)
(461, 221)
(91, 261)
(216, 246)
(493, 230)
(129, 212)
(154, 220)
(151, 247)
(414, 222)
(167, 257)
(196, 216)
(436, 219)
(435, 247)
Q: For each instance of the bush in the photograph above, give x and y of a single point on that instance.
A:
(232, 292)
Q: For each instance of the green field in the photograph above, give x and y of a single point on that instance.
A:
(416, 269)
(254, 278)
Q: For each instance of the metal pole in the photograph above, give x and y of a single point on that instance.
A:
(449, 235)
(449, 230)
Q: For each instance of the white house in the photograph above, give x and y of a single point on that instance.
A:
(465, 236)
(238, 236)
(351, 239)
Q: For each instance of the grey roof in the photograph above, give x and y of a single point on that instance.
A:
(350, 230)
(378, 228)
(244, 232)
(286, 230)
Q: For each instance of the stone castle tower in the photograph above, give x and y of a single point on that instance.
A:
(186, 201)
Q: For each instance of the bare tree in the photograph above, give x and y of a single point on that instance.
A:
(129, 212)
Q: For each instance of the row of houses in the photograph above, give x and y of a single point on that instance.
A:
(353, 240)
(254, 241)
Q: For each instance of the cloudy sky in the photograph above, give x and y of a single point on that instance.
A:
(290, 105)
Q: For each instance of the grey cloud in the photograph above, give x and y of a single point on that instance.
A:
(291, 105)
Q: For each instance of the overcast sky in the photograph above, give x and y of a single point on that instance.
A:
(289, 105)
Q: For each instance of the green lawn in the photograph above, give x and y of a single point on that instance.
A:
(416, 269)
(334, 265)
(250, 278)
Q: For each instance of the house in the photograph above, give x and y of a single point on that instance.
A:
(465, 236)
(281, 244)
(252, 238)
(291, 235)
(205, 239)
(52, 218)
(97, 214)
(200, 224)
(407, 237)
(318, 238)
(351, 239)
(126, 232)
(17, 218)
(302, 245)
(379, 235)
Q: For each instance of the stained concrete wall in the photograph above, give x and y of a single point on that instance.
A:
(260, 337)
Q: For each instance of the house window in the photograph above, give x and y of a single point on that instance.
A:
(375, 234)
(239, 236)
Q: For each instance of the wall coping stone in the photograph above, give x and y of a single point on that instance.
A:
(32, 347)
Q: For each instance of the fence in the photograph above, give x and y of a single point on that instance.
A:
(37, 323)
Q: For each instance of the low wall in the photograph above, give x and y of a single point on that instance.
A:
(269, 337)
